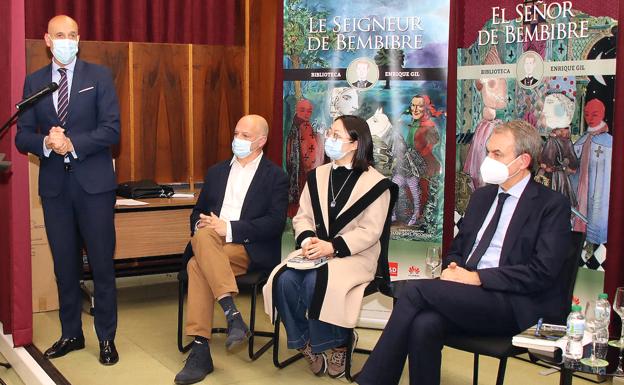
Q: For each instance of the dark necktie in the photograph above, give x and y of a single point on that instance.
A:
(488, 234)
(63, 97)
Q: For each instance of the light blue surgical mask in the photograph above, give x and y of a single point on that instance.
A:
(64, 50)
(333, 148)
(241, 147)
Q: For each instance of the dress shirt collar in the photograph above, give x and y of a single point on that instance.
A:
(70, 66)
(347, 166)
(517, 189)
(254, 163)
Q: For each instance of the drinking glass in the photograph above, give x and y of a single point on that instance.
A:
(618, 307)
(592, 323)
(433, 258)
(619, 371)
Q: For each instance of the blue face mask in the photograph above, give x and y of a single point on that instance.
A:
(333, 149)
(241, 147)
(64, 50)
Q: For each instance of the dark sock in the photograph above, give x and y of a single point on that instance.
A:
(229, 308)
(201, 340)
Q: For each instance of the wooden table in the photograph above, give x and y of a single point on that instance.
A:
(159, 228)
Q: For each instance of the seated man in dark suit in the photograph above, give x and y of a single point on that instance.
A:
(237, 226)
(501, 271)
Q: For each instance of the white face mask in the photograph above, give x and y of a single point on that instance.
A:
(241, 147)
(64, 50)
(495, 172)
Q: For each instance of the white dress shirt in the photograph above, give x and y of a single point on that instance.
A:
(235, 191)
(491, 257)
(56, 78)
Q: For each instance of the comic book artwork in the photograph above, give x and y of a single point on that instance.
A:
(384, 61)
(563, 84)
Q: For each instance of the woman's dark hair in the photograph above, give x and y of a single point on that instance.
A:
(358, 129)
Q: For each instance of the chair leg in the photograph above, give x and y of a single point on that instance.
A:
(276, 361)
(252, 327)
(475, 370)
(502, 365)
(182, 348)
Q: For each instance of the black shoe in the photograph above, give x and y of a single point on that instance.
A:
(238, 332)
(108, 353)
(198, 365)
(64, 346)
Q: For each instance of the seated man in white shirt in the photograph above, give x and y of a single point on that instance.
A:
(237, 227)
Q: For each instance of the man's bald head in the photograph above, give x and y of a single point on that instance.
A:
(60, 28)
(60, 22)
(253, 129)
(260, 124)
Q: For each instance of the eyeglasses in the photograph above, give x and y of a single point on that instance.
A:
(335, 136)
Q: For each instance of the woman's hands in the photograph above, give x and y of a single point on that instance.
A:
(315, 248)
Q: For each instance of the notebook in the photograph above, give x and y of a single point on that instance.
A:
(302, 263)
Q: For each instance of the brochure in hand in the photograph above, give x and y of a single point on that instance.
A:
(302, 263)
(546, 337)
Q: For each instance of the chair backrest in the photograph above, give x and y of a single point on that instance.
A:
(568, 274)
(382, 282)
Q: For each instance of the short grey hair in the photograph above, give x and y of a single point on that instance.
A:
(527, 139)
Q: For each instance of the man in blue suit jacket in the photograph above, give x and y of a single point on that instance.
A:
(237, 226)
(501, 272)
(71, 132)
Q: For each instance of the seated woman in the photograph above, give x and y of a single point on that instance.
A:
(341, 216)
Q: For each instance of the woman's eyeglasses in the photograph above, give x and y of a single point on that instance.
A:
(335, 136)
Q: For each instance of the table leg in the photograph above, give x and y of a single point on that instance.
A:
(565, 377)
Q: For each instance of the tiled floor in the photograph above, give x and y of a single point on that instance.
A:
(146, 340)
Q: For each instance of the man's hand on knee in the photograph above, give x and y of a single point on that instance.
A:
(459, 274)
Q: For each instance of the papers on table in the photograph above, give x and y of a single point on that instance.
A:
(183, 195)
(129, 202)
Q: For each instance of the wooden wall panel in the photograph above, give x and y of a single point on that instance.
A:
(37, 55)
(161, 97)
(263, 21)
(160, 139)
(115, 56)
(217, 103)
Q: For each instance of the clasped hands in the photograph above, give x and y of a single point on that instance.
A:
(316, 248)
(214, 222)
(58, 142)
(459, 274)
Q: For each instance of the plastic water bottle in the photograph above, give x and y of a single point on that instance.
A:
(575, 327)
(603, 313)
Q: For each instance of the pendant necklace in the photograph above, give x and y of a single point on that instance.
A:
(331, 185)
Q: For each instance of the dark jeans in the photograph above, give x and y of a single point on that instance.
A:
(294, 295)
(426, 311)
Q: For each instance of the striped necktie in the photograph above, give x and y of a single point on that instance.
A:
(63, 97)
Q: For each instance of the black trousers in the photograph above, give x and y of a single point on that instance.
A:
(425, 312)
(73, 219)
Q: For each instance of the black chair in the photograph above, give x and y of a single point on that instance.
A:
(501, 347)
(251, 281)
(380, 284)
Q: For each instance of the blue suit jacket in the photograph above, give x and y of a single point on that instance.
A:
(263, 215)
(534, 250)
(92, 125)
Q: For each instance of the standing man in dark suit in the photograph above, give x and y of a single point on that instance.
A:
(237, 227)
(71, 132)
(501, 271)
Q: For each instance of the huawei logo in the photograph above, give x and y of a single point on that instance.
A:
(413, 271)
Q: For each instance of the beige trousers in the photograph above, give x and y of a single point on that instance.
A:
(211, 274)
